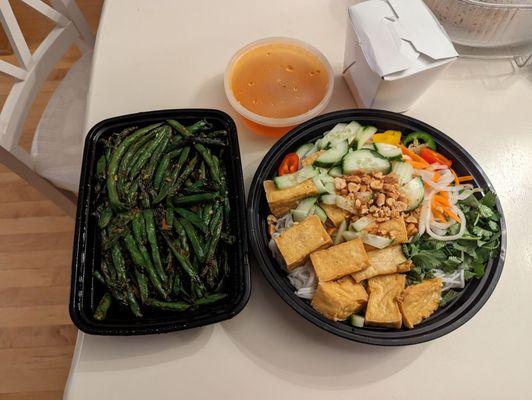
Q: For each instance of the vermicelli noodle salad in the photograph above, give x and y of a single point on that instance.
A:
(376, 228)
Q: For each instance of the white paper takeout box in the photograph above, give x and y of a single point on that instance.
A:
(395, 50)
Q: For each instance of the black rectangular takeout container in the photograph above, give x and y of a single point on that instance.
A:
(86, 291)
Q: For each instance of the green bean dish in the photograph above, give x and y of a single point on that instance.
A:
(163, 218)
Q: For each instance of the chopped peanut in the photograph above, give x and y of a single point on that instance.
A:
(353, 178)
(353, 187)
(411, 219)
(376, 185)
(400, 205)
(377, 195)
(411, 229)
(339, 183)
(380, 200)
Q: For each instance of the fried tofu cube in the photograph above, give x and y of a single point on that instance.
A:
(396, 229)
(389, 260)
(310, 159)
(340, 260)
(338, 299)
(282, 200)
(383, 308)
(420, 301)
(335, 214)
(298, 242)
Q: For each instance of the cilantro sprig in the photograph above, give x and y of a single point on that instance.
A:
(472, 251)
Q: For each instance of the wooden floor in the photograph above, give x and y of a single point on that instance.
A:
(36, 335)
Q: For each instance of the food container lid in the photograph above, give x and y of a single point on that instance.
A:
(400, 37)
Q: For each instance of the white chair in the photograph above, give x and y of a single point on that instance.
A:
(70, 27)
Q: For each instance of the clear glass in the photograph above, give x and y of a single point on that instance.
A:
(486, 23)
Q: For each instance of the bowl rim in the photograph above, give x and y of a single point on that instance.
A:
(278, 122)
(420, 334)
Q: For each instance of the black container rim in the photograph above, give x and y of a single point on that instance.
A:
(83, 211)
(424, 332)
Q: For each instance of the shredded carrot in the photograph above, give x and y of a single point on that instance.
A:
(436, 207)
(456, 181)
(465, 178)
(414, 156)
(436, 177)
(438, 215)
(441, 200)
(451, 214)
(416, 164)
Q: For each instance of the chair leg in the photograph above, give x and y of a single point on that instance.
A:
(63, 199)
(71, 10)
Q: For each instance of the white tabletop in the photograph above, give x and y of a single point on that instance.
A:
(171, 54)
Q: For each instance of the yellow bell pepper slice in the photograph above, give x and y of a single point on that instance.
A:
(389, 137)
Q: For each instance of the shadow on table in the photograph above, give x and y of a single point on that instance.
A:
(494, 74)
(278, 340)
(131, 352)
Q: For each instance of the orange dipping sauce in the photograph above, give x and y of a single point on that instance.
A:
(279, 80)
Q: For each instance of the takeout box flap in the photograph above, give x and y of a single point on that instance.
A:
(396, 35)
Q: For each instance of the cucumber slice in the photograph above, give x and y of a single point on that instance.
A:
(312, 150)
(363, 135)
(306, 204)
(319, 185)
(336, 171)
(404, 171)
(336, 133)
(357, 320)
(351, 130)
(340, 132)
(365, 160)
(326, 178)
(330, 187)
(285, 181)
(329, 199)
(322, 171)
(362, 223)
(332, 156)
(389, 151)
(305, 173)
(290, 180)
(414, 192)
(339, 236)
(317, 210)
(379, 242)
(303, 150)
(350, 235)
(298, 215)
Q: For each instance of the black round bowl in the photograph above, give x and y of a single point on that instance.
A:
(445, 320)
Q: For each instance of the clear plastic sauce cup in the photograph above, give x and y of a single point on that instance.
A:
(277, 83)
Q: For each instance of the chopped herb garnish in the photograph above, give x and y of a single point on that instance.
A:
(471, 252)
(448, 296)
